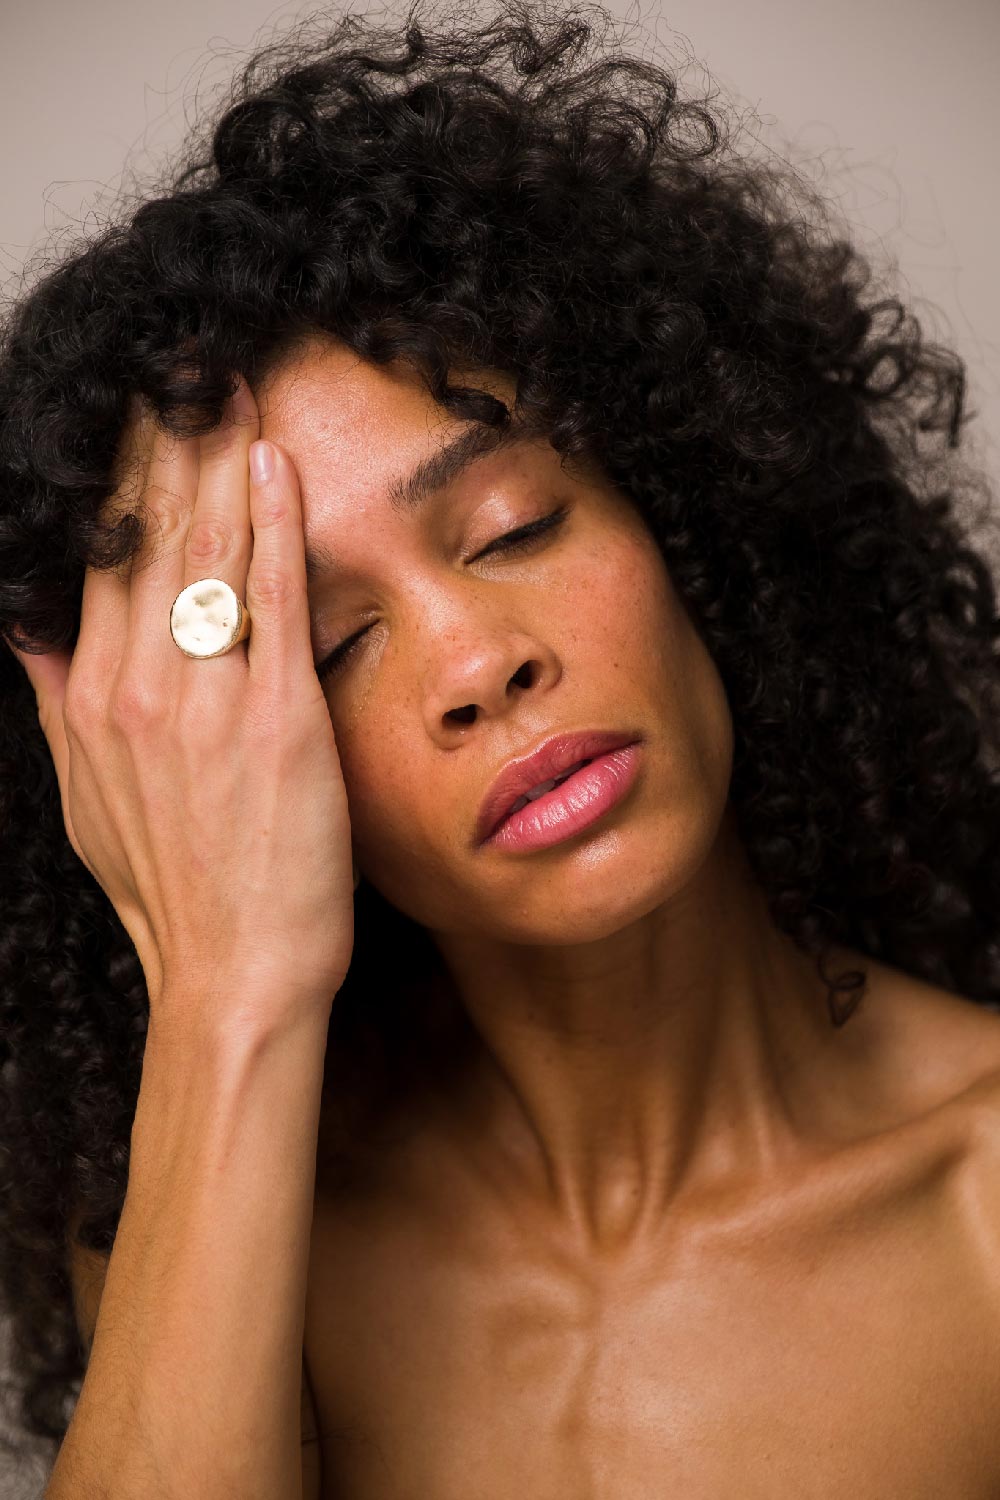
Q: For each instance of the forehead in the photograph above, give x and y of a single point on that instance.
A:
(355, 428)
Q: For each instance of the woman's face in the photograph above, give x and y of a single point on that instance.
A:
(468, 660)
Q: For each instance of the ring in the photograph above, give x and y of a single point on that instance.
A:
(208, 618)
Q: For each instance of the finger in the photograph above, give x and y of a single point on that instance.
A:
(48, 673)
(197, 492)
(104, 608)
(168, 499)
(280, 647)
(219, 540)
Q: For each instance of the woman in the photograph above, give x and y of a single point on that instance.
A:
(653, 1113)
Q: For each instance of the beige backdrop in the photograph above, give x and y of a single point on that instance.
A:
(891, 105)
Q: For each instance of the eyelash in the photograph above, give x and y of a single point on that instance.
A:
(511, 541)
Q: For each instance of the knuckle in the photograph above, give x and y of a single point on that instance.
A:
(81, 707)
(168, 516)
(132, 706)
(270, 586)
(273, 510)
(209, 541)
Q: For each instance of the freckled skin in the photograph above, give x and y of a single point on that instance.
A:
(583, 610)
(664, 1231)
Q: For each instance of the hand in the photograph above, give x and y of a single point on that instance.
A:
(206, 797)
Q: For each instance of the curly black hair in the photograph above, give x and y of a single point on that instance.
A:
(515, 193)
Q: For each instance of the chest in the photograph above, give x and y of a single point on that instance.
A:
(855, 1359)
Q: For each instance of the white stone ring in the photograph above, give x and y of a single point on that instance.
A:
(208, 618)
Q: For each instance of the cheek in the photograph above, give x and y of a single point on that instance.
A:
(626, 641)
(378, 775)
(635, 626)
(620, 607)
(396, 821)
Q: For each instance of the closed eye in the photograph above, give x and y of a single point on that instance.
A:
(512, 541)
(336, 658)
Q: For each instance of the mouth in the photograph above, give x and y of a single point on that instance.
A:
(545, 786)
(531, 776)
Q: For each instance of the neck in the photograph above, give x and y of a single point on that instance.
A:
(689, 1053)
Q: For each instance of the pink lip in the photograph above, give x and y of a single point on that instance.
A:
(549, 760)
(573, 805)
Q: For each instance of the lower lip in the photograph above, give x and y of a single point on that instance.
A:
(572, 806)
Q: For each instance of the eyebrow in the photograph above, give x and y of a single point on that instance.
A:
(430, 477)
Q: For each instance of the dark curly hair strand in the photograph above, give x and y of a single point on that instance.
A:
(515, 194)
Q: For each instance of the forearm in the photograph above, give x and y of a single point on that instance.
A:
(193, 1384)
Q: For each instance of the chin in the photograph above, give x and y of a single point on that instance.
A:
(569, 931)
(586, 911)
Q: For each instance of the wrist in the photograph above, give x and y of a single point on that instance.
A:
(222, 1019)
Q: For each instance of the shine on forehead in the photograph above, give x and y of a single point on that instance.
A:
(430, 476)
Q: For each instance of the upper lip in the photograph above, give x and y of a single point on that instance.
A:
(547, 760)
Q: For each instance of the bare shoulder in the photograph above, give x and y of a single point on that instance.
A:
(977, 1108)
(932, 1051)
(977, 1200)
(945, 1080)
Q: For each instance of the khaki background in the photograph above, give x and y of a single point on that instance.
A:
(890, 106)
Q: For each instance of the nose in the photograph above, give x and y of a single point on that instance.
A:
(485, 676)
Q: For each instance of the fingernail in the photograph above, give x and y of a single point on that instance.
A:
(261, 461)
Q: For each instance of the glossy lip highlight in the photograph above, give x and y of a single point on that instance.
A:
(544, 763)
